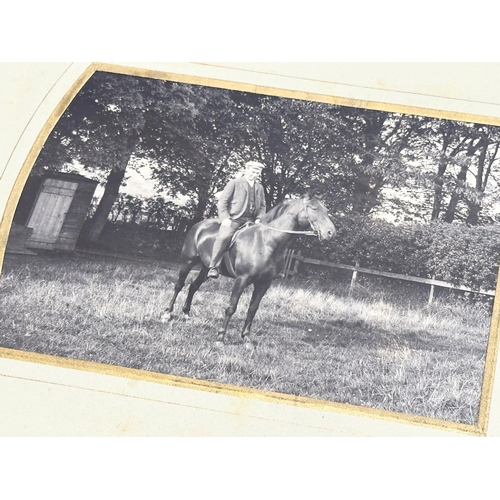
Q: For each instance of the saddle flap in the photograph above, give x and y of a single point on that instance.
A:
(239, 231)
(226, 259)
(229, 265)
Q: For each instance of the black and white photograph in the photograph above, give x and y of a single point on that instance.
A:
(331, 255)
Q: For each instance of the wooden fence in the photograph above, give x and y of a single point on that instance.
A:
(292, 259)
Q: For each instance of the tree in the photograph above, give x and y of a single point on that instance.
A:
(198, 141)
(459, 159)
(443, 143)
(375, 157)
(111, 112)
(297, 141)
(487, 160)
(461, 179)
(100, 130)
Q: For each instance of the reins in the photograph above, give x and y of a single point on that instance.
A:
(306, 233)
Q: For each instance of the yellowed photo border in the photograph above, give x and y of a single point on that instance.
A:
(79, 75)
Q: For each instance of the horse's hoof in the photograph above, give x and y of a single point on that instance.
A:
(219, 343)
(249, 345)
(186, 317)
(166, 317)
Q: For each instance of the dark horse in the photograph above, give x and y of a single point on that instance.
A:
(257, 255)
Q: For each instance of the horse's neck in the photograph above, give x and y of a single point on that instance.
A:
(286, 222)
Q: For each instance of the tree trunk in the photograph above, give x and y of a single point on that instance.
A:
(363, 197)
(461, 181)
(455, 197)
(438, 190)
(199, 213)
(108, 199)
(473, 215)
(482, 177)
(449, 134)
(439, 181)
(112, 189)
(367, 184)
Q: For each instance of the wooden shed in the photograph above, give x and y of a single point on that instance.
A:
(53, 209)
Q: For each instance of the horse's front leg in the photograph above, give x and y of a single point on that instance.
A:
(259, 291)
(240, 284)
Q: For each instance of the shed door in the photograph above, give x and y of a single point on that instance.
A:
(49, 212)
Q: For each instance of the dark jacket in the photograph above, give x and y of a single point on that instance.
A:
(233, 200)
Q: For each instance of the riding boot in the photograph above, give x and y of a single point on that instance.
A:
(221, 244)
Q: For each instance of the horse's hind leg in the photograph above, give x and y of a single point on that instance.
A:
(184, 270)
(240, 284)
(195, 285)
(259, 291)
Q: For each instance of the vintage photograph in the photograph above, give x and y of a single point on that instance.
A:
(331, 253)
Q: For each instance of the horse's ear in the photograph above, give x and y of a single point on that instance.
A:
(316, 193)
(313, 193)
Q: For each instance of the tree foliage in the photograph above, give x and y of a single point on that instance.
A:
(297, 141)
(194, 144)
(429, 175)
(154, 212)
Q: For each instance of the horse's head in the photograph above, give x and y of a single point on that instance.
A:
(315, 215)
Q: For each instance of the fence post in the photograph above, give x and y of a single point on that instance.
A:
(431, 294)
(354, 277)
(288, 262)
(296, 265)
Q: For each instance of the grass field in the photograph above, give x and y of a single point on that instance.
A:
(401, 357)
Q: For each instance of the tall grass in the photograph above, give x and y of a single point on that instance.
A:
(315, 343)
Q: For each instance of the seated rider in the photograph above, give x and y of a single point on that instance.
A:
(241, 201)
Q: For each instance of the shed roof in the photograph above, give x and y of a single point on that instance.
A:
(69, 177)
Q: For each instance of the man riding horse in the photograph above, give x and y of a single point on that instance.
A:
(258, 254)
(241, 201)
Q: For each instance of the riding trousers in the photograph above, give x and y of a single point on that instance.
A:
(223, 240)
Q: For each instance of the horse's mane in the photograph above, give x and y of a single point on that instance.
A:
(277, 211)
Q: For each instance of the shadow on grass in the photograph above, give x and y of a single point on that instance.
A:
(352, 334)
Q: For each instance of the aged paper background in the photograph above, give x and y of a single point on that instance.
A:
(41, 400)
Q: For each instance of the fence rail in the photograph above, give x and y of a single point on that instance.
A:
(292, 259)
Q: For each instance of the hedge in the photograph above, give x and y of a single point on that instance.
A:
(463, 255)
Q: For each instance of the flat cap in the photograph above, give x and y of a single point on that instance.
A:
(254, 164)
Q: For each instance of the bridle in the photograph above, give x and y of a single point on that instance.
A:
(314, 231)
